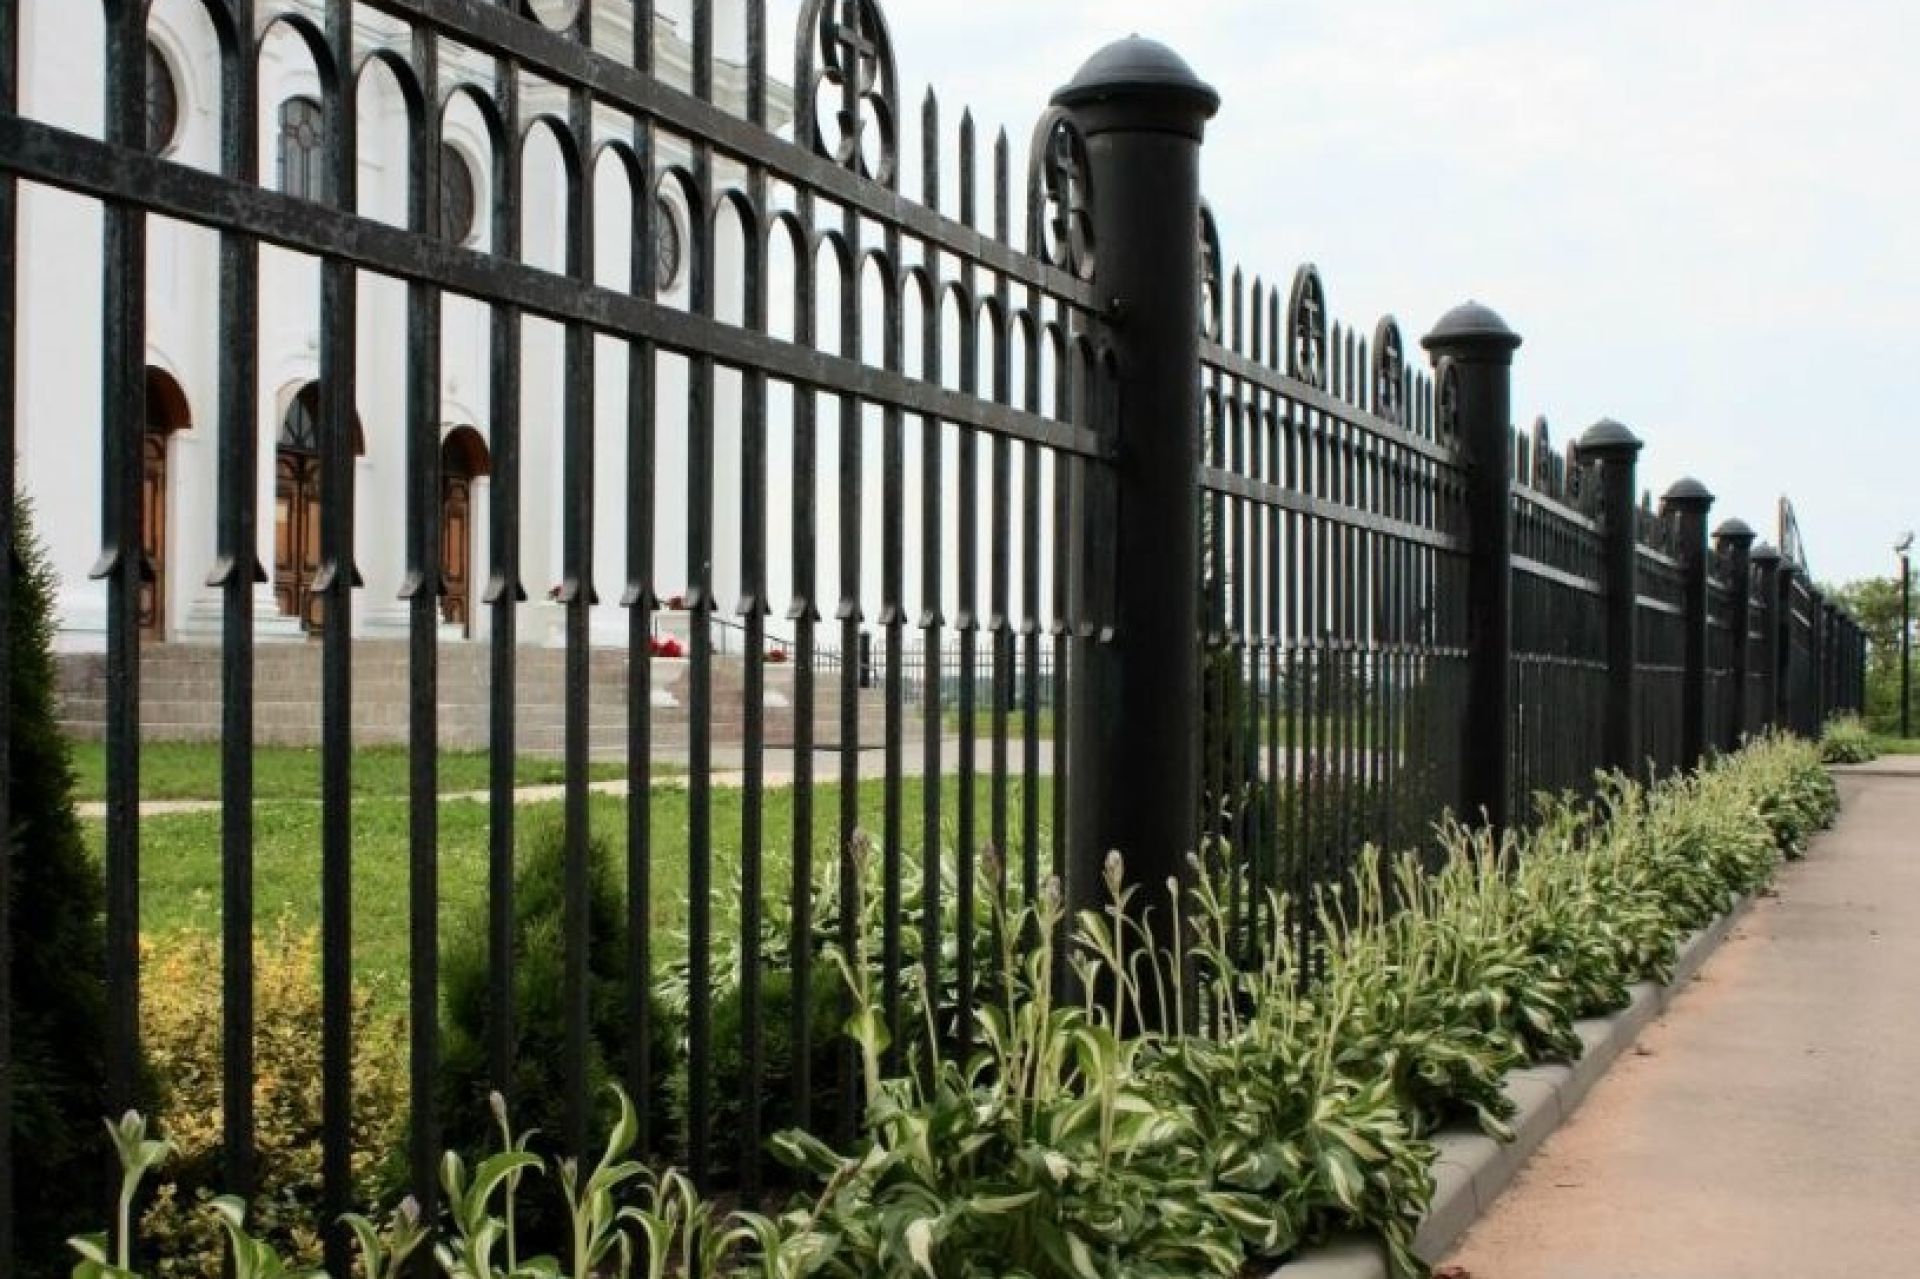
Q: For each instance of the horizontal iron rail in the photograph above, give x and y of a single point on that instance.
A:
(1282, 498)
(568, 63)
(57, 157)
(1559, 576)
(1217, 358)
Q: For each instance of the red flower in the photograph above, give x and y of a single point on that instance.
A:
(677, 603)
(777, 656)
(668, 648)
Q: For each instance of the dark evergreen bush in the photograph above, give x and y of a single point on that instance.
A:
(727, 1092)
(538, 1092)
(59, 950)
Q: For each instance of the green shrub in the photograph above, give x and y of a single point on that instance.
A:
(538, 1087)
(57, 985)
(1846, 740)
(728, 1070)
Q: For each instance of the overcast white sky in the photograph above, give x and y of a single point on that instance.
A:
(1702, 215)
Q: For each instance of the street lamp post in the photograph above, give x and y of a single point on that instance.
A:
(1906, 637)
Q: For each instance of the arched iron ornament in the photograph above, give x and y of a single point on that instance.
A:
(843, 45)
(555, 15)
(1446, 413)
(1213, 286)
(1060, 196)
(1307, 328)
(1389, 372)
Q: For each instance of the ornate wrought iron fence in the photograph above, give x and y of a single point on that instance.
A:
(1343, 600)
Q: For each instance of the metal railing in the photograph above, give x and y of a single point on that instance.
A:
(1376, 603)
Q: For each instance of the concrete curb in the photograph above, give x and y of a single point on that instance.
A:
(1470, 1170)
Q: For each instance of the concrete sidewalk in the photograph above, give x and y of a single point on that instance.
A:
(1769, 1126)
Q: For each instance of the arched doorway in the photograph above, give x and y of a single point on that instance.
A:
(166, 413)
(296, 507)
(463, 459)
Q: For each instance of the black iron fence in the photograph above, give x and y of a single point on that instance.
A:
(1348, 599)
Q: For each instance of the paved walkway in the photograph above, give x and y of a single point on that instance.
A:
(1769, 1126)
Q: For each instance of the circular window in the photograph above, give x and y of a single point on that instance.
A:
(458, 199)
(669, 246)
(555, 14)
(163, 101)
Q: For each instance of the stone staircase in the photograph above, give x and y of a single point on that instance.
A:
(180, 697)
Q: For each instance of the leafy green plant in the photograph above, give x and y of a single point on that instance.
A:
(1847, 740)
(138, 1155)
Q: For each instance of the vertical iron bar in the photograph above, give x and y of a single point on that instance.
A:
(805, 615)
(339, 302)
(893, 622)
(578, 598)
(236, 574)
(504, 594)
(641, 599)
(754, 607)
(967, 620)
(700, 605)
(999, 626)
(932, 532)
(852, 619)
(422, 590)
(121, 563)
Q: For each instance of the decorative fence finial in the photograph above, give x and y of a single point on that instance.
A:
(1307, 328)
(843, 46)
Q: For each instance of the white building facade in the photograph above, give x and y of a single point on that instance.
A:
(60, 298)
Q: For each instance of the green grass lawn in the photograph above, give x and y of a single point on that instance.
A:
(1892, 745)
(191, 770)
(180, 861)
(1016, 724)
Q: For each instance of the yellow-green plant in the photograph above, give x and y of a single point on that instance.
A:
(180, 1024)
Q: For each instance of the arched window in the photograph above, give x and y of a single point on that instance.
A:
(297, 507)
(302, 148)
(669, 245)
(163, 101)
(167, 412)
(457, 205)
(300, 428)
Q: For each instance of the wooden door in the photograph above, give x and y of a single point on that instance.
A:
(296, 537)
(456, 552)
(153, 535)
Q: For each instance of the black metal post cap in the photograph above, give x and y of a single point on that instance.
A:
(1471, 326)
(1765, 553)
(1139, 73)
(1608, 438)
(1734, 530)
(1688, 495)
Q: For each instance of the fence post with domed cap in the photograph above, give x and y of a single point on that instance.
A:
(1133, 770)
(1688, 501)
(1615, 451)
(1472, 350)
(1733, 540)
